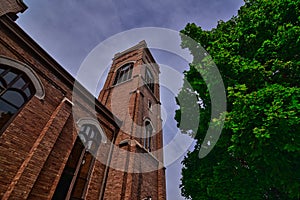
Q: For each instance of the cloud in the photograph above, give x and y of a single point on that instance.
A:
(69, 29)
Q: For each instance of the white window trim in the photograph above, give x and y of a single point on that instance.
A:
(86, 121)
(40, 91)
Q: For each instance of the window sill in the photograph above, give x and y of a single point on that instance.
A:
(116, 85)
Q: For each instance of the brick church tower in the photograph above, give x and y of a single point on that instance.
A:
(54, 146)
(131, 92)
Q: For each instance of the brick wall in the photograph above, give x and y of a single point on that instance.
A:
(11, 6)
(35, 146)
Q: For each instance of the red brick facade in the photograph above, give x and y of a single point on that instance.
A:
(129, 101)
(37, 142)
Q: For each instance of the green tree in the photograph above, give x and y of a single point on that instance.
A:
(258, 154)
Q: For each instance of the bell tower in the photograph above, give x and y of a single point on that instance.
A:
(131, 92)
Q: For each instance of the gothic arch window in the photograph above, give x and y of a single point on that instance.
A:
(81, 123)
(124, 73)
(18, 84)
(90, 137)
(75, 177)
(148, 135)
(149, 78)
(39, 89)
(15, 90)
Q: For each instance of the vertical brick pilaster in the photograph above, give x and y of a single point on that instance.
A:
(27, 174)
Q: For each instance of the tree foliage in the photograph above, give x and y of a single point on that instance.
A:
(258, 154)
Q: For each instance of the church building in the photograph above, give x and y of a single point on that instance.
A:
(59, 142)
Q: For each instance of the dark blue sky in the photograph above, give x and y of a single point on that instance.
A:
(69, 29)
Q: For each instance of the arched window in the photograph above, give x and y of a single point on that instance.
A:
(76, 174)
(15, 90)
(90, 137)
(124, 73)
(148, 135)
(149, 79)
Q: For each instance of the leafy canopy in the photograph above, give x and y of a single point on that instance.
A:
(258, 56)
